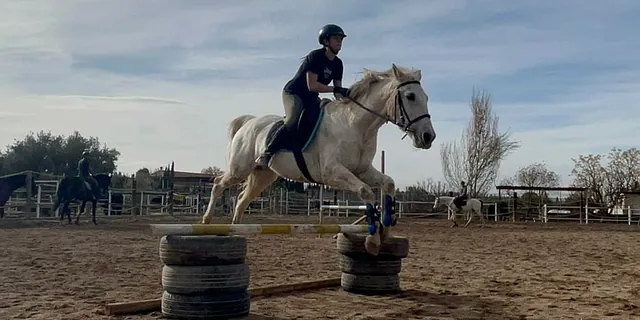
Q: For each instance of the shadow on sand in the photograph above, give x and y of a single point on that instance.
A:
(451, 305)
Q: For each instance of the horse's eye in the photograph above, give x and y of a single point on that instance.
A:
(411, 96)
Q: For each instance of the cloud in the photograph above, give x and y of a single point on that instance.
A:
(161, 80)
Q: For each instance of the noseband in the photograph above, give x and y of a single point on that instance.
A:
(405, 121)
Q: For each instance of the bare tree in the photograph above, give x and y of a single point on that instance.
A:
(432, 187)
(214, 171)
(536, 175)
(605, 182)
(476, 158)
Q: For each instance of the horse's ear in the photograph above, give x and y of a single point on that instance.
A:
(418, 75)
(396, 71)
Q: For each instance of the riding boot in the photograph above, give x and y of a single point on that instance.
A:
(263, 160)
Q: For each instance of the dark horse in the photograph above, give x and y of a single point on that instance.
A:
(9, 184)
(74, 188)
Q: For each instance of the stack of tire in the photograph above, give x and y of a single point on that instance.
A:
(204, 277)
(363, 273)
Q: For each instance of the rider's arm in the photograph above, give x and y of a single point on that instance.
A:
(314, 67)
(337, 79)
(314, 85)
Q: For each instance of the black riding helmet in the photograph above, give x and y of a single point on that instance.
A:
(329, 30)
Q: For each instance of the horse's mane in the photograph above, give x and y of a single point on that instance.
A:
(370, 78)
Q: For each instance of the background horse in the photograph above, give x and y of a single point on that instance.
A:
(9, 184)
(74, 188)
(472, 205)
(339, 150)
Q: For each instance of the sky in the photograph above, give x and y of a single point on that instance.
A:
(160, 80)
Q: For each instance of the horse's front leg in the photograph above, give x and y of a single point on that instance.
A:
(66, 210)
(375, 178)
(82, 209)
(340, 177)
(454, 213)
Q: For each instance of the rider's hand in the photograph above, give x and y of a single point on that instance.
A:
(341, 91)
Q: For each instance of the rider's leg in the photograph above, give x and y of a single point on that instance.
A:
(293, 107)
(94, 185)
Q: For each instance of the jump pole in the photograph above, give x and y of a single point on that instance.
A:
(238, 229)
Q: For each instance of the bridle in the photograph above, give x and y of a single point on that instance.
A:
(406, 122)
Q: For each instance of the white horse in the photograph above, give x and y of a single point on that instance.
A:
(472, 206)
(344, 144)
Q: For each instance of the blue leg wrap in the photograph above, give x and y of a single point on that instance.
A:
(389, 218)
(372, 217)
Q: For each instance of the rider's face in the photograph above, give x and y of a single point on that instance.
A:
(335, 42)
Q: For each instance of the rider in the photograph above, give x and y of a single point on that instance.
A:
(84, 171)
(463, 191)
(318, 69)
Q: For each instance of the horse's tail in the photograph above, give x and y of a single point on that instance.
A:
(237, 123)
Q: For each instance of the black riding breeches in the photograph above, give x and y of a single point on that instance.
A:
(293, 106)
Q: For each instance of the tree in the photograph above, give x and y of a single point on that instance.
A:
(145, 181)
(434, 188)
(476, 158)
(605, 181)
(536, 175)
(57, 155)
(214, 171)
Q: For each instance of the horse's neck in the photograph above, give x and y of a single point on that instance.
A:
(360, 120)
(448, 200)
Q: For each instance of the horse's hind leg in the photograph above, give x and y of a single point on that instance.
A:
(256, 182)
(469, 217)
(481, 216)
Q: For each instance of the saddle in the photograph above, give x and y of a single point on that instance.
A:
(87, 185)
(305, 132)
(460, 201)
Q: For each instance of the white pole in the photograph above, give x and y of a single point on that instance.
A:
(286, 202)
(629, 214)
(109, 203)
(586, 210)
(39, 200)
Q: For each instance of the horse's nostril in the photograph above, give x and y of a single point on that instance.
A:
(426, 137)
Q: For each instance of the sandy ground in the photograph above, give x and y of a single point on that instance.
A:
(505, 271)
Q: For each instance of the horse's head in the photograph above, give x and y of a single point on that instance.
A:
(9, 184)
(396, 95)
(436, 203)
(104, 181)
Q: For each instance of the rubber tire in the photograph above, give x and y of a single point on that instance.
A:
(225, 306)
(181, 250)
(370, 284)
(198, 280)
(369, 266)
(393, 248)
